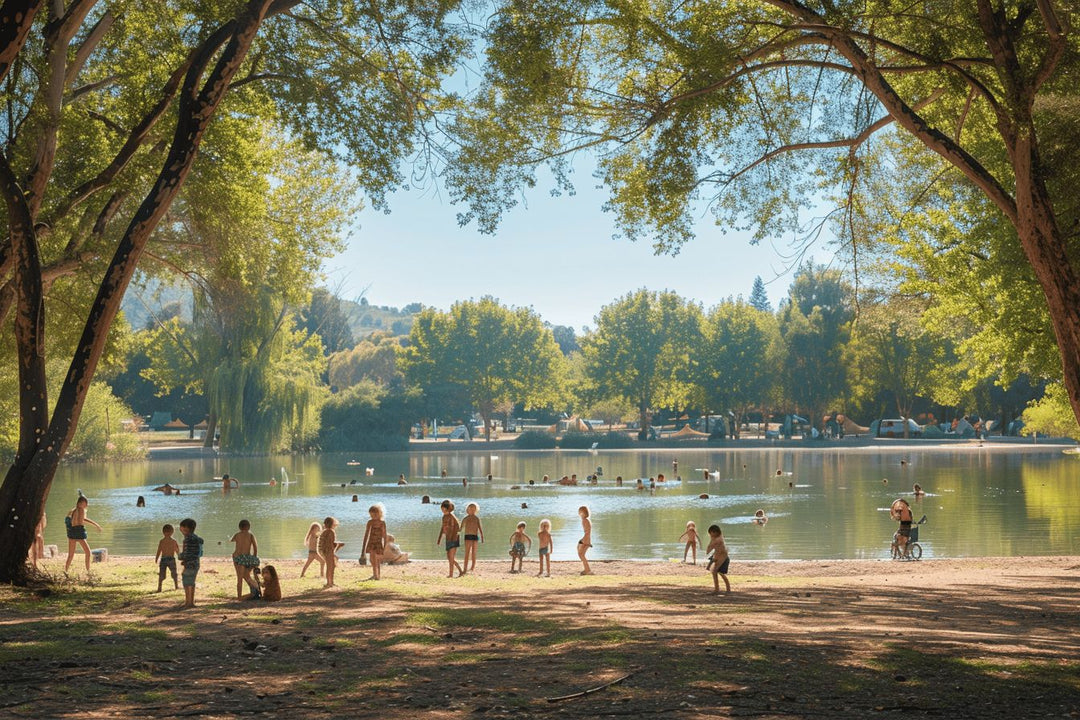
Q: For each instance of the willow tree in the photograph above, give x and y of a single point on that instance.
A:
(761, 107)
(105, 108)
(495, 354)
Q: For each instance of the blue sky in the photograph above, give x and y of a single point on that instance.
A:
(556, 255)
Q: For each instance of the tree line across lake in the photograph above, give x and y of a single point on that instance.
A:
(651, 356)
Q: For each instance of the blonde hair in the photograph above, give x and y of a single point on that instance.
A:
(378, 509)
(545, 523)
(690, 524)
(521, 525)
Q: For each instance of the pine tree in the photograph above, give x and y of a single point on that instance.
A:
(758, 299)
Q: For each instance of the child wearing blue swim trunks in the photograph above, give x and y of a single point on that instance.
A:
(450, 529)
(547, 546)
(517, 548)
(189, 558)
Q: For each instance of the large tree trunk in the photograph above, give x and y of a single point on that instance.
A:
(26, 486)
(211, 429)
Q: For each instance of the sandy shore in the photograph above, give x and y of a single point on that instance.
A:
(978, 637)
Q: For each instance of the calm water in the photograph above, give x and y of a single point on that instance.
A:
(827, 503)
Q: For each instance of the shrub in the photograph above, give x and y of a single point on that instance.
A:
(535, 440)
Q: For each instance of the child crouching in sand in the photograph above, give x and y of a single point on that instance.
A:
(720, 559)
(271, 584)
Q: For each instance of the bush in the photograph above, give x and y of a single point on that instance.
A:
(366, 417)
(933, 432)
(535, 440)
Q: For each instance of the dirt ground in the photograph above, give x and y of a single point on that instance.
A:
(983, 638)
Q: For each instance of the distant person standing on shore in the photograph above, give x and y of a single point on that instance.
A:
(450, 529)
(473, 531)
(328, 545)
(189, 559)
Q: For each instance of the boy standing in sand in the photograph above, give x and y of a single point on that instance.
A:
(189, 558)
(720, 558)
(547, 546)
(474, 533)
(450, 529)
(518, 551)
(167, 548)
(328, 545)
(245, 559)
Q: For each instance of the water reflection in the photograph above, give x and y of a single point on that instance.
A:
(823, 504)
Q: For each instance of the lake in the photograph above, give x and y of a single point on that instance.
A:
(826, 503)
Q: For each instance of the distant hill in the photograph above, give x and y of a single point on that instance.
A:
(149, 298)
(153, 298)
(365, 318)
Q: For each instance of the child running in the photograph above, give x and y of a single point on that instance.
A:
(720, 559)
(547, 546)
(693, 541)
(586, 541)
(518, 550)
(311, 540)
(76, 522)
(327, 546)
(450, 529)
(167, 549)
(473, 532)
(189, 558)
(245, 559)
(375, 538)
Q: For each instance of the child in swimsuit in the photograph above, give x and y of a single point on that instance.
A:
(375, 538)
(517, 548)
(311, 541)
(245, 559)
(720, 558)
(76, 522)
(450, 529)
(693, 541)
(167, 549)
(547, 546)
(473, 532)
(328, 545)
(586, 541)
(271, 584)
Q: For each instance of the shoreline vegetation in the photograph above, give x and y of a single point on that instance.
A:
(970, 637)
(863, 442)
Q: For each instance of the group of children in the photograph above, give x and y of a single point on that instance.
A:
(378, 545)
(245, 561)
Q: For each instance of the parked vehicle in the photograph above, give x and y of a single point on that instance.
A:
(894, 428)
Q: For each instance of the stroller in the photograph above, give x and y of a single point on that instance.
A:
(912, 550)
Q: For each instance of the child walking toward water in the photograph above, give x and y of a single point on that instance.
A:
(245, 559)
(450, 529)
(518, 551)
(547, 546)
(586, 541)
(473, 532)
(189, 558)
(693, 541)
(76, 522)
(375, 538)
(720, 559)
(311, 540)
(327, 547)
(167, 549)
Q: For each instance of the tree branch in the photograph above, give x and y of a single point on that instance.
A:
(16, 20)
